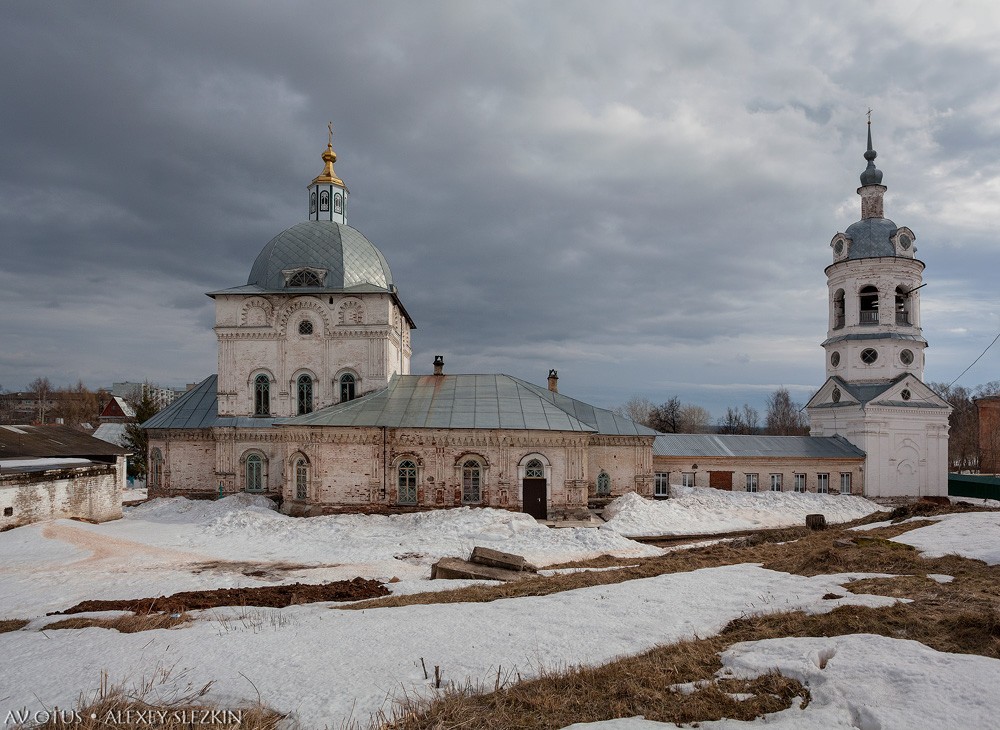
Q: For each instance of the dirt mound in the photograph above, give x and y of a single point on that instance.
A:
(356, 589)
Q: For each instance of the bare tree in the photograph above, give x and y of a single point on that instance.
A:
(136, 438)
(694, 419)
(77, 405)
(41, 389)
(963, 427)
(636, 408)
(666, 417)
(740, 421)
(784, 417)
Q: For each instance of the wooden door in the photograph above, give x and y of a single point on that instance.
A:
(721, 480)
(533, 498)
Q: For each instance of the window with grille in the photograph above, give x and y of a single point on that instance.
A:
(301, 479)
(254, 473)
(534, 469)
(305, 278)
(347, 384)
(406, 480)
(471, 482)
(304, 391)
(261, 396)
(603, 485)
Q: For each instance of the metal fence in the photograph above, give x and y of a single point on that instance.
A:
(974, 486)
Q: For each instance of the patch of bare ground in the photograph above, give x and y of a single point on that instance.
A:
(264, 571)
(126, 624)
(265, 596)
(12, 624)
(147, 704)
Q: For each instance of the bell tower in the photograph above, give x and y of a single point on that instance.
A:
(874, 287)
(327, 192)
(874, 395)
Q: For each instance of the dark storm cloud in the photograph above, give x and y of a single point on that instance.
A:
(640, 197)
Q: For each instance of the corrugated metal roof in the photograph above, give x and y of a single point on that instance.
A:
(422, 401)
(470, 401)
(52, 440)
(199, 408)
(709, 445)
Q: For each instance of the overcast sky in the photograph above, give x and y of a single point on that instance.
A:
(638, 194)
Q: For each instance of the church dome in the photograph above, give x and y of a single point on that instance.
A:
(871, 238)
(320, 255)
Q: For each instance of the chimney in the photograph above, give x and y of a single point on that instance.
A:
(439, 364)
(553, 381)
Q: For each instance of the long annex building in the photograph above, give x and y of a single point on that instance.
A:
(314, 401)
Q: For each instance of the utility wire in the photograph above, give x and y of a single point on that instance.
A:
(976, 360)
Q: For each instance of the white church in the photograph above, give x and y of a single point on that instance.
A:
(314, 401)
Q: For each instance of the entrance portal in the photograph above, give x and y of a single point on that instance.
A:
(533, 498)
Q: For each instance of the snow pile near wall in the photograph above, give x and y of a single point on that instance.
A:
(699, 510)
(200, 511)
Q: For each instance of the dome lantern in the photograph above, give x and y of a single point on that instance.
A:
(327, 192)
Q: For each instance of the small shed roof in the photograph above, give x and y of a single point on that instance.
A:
(53, 440)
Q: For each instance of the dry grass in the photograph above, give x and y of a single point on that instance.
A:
(143, 705)
(12, 624)
(962, 616)
(638, 685)
(126, 624)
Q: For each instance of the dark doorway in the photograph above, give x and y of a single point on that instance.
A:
(721, 480)
(533, 498)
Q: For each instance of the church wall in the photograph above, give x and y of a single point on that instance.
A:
(361, 334)
(189, 461)
(626, 460)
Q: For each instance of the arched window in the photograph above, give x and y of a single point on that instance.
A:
(534, 469)
(603, 484)
(902, 305)
(155, 468)
(254, 473)
(338, 203)
(869, 305)
(305, 278)
(347, 383)
(406, 480)
(301, 479)
(324, 201)
(838, 309)
(471, 482)
(304, 394)
(312, 202)
(262, 395)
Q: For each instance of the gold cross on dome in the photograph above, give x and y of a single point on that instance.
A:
(869, 116)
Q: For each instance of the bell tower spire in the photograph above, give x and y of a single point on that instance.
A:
(327, 192)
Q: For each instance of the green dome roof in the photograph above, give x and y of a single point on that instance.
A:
(344, 256)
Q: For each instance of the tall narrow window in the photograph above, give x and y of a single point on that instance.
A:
(800, 482)
(347, 384)
(845, 482)
(261, 395)
(155, 468)
(301, 479)
(255, 473)
(838, 309)
(603, 484)
(869, 305)
(661, 485)
(902, 306)
(752, 482)
(338, 203)
(406, 479)
(324, 201)
(776, 482)
(822, 483)
(471, 482)
(312, 202)
(304, 391)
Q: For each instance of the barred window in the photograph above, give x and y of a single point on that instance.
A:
(406, 479)
(471, 482)
(301, 479)
(603, 484)
(254, 473)
(262, 395)
(347, 384)
(534, 469)
(304, 389)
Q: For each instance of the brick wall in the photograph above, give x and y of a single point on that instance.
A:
(89, 492)
(764, 468)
